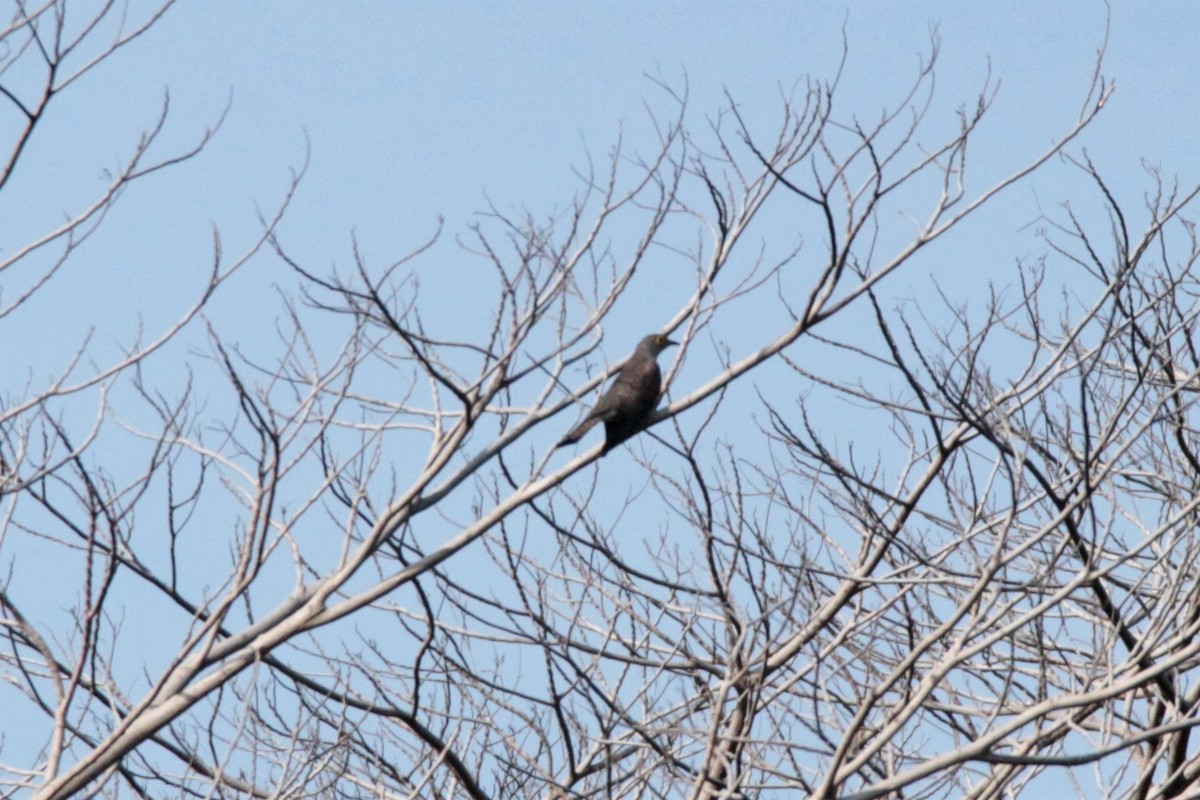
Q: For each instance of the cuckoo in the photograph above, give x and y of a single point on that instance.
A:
(629, 403)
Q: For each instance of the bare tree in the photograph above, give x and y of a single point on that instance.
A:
(958, 563)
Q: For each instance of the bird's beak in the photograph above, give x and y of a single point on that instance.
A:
(670, 343)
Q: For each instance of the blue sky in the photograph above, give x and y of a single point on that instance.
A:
(416, 111)
(413, 113)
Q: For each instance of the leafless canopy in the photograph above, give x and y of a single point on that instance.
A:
(943, 547)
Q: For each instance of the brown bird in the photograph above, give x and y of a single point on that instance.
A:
(629, 403)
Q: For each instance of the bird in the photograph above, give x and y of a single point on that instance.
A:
(630, 402)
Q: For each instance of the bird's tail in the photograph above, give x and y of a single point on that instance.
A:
(577, 432)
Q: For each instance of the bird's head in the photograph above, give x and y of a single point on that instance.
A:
(655, 343)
